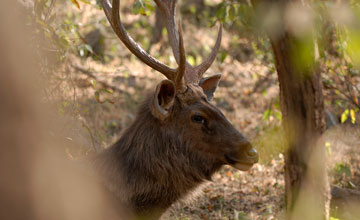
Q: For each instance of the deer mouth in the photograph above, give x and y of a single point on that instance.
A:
(240, 165)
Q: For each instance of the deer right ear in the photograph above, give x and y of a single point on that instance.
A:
(209, 85)
(163, 99)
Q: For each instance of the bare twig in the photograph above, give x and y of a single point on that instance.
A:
(91, 136)
(348, 97)
(104, 84)
(262, 81)
(344, 194)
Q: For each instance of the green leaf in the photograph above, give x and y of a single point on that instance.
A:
(97, 96)
(328, 147)
(93, 83)
(143, 7)
(278, 115)
(192, 9)
(342, 168)
(352, 115)
(191, 60)
(63, 42)
(345, 116)
(106, 91)
(85, 1)
(232, 13)
(142, 11)
(223, 56)
(221, 13)
(149, 5)
(267, 114)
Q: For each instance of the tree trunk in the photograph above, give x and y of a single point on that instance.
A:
(302, 106)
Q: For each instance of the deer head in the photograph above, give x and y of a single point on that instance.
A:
(182, 101)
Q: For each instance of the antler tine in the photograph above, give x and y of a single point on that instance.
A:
(167, 9)
(192, 74)
(182, 63)
(201, 69)
(113, 15)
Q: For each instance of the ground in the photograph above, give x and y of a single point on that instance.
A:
(102, 92)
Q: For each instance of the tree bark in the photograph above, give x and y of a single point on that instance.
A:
(302, 106)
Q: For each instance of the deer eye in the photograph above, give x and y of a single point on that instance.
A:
(198, 119)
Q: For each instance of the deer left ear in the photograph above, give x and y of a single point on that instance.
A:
(163, 99)
(209, 85)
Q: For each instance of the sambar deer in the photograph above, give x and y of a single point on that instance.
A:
(178, 139)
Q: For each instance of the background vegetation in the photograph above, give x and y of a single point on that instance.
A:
(96, 85)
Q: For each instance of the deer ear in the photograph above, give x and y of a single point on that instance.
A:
(163, 99)
(209, 85)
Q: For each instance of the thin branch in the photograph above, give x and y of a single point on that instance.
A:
(348, 98)
(104, 84)
(91, 136)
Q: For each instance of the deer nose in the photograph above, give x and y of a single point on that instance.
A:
(252, 153)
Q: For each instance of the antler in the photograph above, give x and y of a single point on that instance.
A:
(112, 14)
(192, 74)
(185, 70)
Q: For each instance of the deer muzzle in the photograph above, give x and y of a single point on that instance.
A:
(245, 159)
